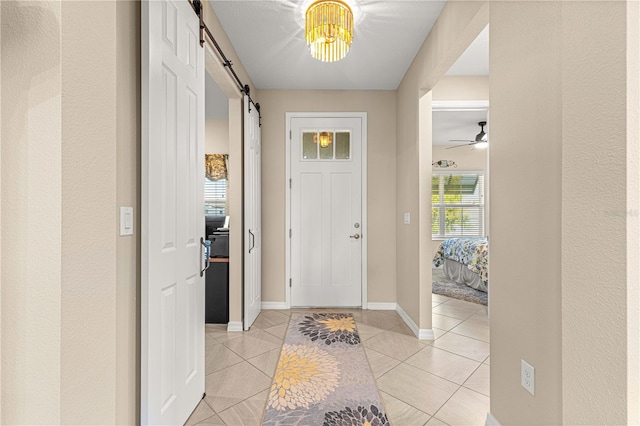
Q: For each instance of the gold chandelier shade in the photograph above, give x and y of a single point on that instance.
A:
(329, 29)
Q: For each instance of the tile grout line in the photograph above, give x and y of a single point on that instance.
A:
(468, 337)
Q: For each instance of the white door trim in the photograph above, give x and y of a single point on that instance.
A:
(363, 117)
(459, 105)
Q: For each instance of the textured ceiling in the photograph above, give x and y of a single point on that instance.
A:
(268, 36)
(475, 59)
(269, 39)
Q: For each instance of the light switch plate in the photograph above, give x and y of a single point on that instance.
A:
(407, 218)
(126, 221)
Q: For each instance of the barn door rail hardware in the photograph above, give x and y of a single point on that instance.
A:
(244, 88)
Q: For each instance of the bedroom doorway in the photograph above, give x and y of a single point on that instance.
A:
(460, 175)
(460, 196)
(327, 220)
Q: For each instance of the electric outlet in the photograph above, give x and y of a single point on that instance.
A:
(528, 377)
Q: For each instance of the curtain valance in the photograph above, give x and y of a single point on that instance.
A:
(215, 166)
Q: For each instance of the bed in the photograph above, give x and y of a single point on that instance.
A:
(464, 260)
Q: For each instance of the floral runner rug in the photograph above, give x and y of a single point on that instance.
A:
(323, 376)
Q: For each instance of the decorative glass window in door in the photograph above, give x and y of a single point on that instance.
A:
(326, 145)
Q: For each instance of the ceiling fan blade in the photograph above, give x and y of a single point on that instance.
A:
(458, 146)
(461, 140)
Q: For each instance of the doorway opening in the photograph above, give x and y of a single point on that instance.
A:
(459, 121)
(217, 186)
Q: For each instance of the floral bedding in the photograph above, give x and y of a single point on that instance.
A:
(472, 252)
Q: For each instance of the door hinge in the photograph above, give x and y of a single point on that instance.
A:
(289, 134)
(290, 282)
(289, 232)
(289, 183)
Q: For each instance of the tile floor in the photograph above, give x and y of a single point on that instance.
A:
(444, 381)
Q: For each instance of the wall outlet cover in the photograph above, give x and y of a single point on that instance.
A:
(528, 378)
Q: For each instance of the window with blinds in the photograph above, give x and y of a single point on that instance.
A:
(457, 201)
(215, 197)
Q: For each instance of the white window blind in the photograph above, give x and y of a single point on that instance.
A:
(457, 201)
(215, 197)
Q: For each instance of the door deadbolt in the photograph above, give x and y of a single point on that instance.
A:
(357, 225)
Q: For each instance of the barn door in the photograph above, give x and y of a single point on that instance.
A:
(252, 214)
(172, 207)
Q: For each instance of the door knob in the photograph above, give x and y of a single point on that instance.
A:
(355, 237)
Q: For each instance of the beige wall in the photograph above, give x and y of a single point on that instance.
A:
(380, 107)
(88, 49)
(59, 313)
(462, 88)
(466, 158)
(559, 118)
(70, 148)
(128, 194)
(526, 171)
(633, 220)
(549, 66)
(31, 204)
(590, 298)
(216, 136)
(458, 25)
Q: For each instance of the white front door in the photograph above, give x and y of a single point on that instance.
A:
(252, 214)
(172, 208)
(326, 211)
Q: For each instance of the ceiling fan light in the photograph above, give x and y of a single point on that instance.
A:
(482, 144)
(329, 29)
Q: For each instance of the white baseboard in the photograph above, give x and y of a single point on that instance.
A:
(235, 326)
(274, 305)
(421, 333)
(407, 319)
(491, 420)
(426, 334)
(379, 306)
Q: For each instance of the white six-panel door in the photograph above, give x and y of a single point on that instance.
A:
(252, 214)
(326, 212)
(172, 290)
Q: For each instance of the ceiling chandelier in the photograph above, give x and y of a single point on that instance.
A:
(329, 29)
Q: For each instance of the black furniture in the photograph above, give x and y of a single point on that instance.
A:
(217, 276)
(217, 292)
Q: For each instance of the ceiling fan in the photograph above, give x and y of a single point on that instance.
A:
(480, 141)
